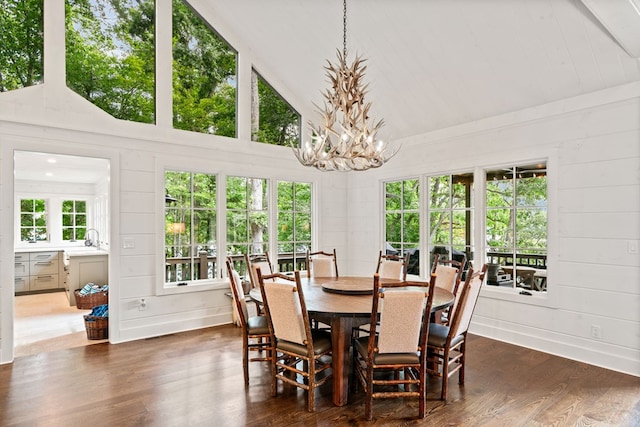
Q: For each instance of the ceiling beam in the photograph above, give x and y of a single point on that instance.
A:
(622, 19)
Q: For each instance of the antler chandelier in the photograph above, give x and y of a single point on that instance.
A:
(346, 140)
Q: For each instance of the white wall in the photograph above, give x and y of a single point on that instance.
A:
(593, 148)
(66, 126)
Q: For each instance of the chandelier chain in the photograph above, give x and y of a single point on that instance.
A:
(344, 28)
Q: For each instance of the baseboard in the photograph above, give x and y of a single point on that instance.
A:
(604, 355)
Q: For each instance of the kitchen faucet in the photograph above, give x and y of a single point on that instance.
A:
(89, 242)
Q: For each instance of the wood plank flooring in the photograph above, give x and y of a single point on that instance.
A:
(46, 322)
(195, 379)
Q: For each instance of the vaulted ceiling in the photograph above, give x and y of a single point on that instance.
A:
(438, 63)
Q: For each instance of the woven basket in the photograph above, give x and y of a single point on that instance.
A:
(87, 302)
(97, 327)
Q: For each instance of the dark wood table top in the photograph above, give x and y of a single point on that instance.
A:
(329, 304)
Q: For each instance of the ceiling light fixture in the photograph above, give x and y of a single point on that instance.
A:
(346, 140)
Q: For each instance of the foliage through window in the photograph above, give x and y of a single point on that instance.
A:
(74, 220)
(294, 224)
(33, 220)
(402, 220)
(110, 55)
(190, 226)
(273, 120)
(516, 218)
(247, 216)
(450, 216)
(21, 43)
(204, 76)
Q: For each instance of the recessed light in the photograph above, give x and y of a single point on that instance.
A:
(52, 160)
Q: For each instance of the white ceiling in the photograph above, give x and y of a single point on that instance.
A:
(33, 166)
(436, 63)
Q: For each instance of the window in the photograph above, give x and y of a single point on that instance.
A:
(402, 220)
(247, 217)
(516, 220)
(74, 220)
(450, 216)
(204, 76)
(33, 220)
(21, 44)
(273, 120)
(294, 224)
(110, 56)
(190, 226)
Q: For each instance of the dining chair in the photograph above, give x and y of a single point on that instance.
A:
(449, 273)
(396, 344)
(257, 260)
(295, 342)
(447, 343)
(256, 335)
(322, 264)
(393, 266)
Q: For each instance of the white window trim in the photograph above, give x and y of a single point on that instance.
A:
(547, 298)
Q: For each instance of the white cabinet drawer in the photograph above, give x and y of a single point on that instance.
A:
(43, 256)
(22, 268)
(44, 281)
(43, 267)
(21, 284)
(22, 256)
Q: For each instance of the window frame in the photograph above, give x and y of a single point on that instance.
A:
(294, 212)
(450, 209)
(74, 213)
(419, 211)
(544, 299)
(222, 170)
(46, 213)
(193, 212)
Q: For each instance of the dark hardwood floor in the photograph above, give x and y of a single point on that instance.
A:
(195, 379)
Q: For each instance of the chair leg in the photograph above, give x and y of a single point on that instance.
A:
(274, 371)
(445, 374)
(245, 360)
(368, 410)
(463, 356)
(422, 403)
(311, 395)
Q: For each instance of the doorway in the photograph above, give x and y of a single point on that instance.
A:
(61, 211)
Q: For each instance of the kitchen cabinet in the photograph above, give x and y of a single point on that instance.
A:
(39, 271)
(86, 267)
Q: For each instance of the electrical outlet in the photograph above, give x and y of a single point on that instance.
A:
(128, 243)
(632, 246)
(143, 305)
(596, 332)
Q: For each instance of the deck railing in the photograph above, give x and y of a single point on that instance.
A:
(538, 261)
(179, 268)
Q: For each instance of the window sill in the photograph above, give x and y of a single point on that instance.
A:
(514, 295)
(194, 286)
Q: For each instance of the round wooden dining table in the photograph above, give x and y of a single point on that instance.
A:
(344, 303)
